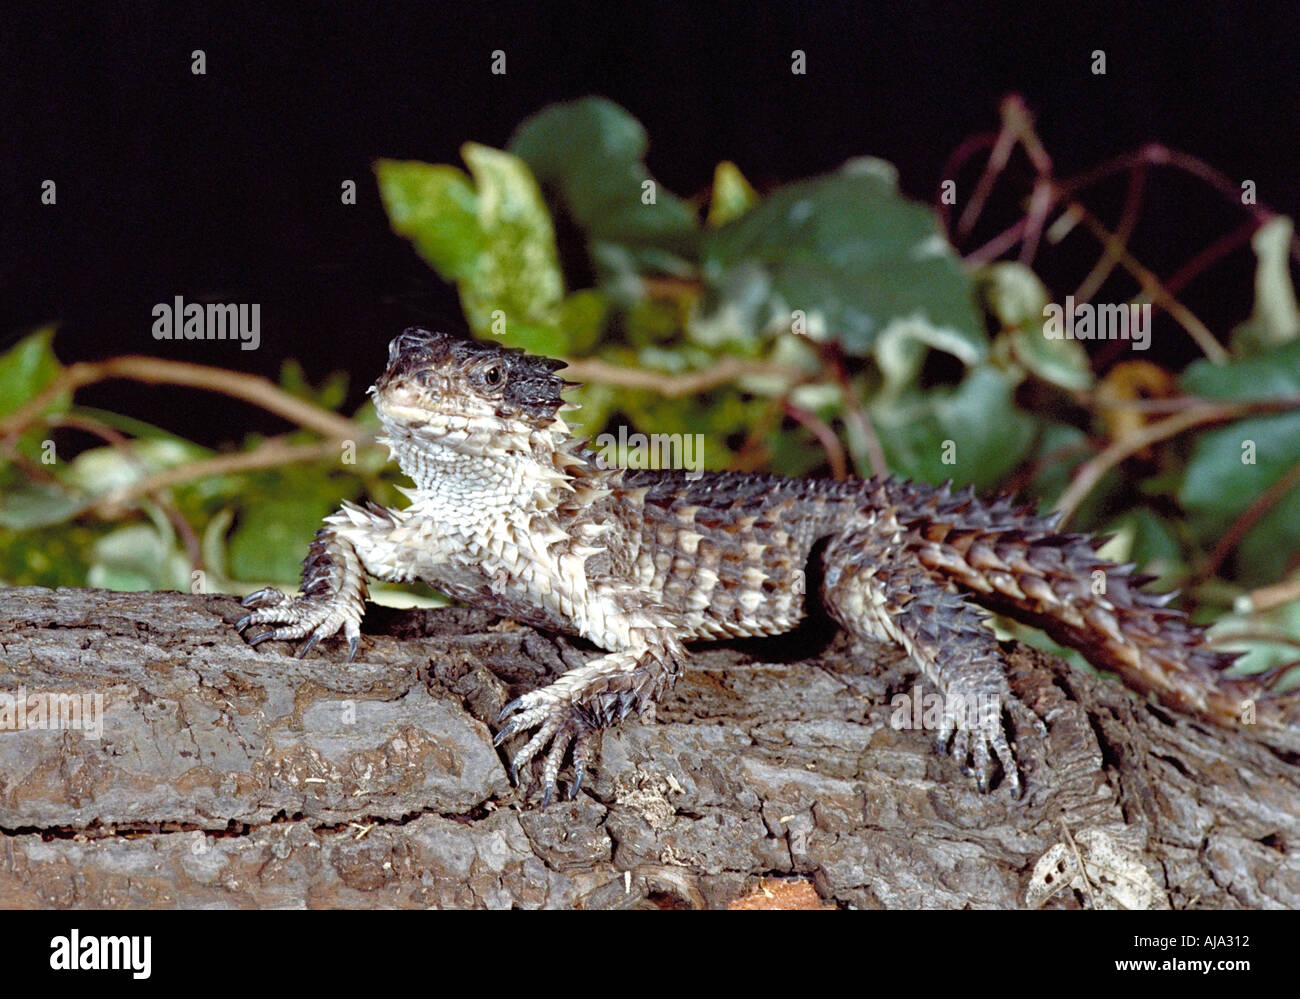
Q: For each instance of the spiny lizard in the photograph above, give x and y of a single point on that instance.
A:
(513, 514)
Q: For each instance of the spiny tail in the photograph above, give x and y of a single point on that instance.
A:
(1018, 564)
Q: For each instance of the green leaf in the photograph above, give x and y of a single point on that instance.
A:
(652, 321)
(596, 401)
(26, 368)
(1267, 552)
(492, 236)
(102, 469)
(903, 344)
(1016, 298)
(1275, 318)
(333, 390)
(281, 515)
(272, 538)
(794, 452)
(436, 208)
(976, 425)
(519, 270)
(34, 504)
(1262, 652)
(582, 317)
(1272, 375)
(58, 555)
(1143, 536)
(1231, 467)
(732, 195)
(683, 433)
(137, 557)
(1059, 451)
(590, 153)
(536, 338)
(848, 252)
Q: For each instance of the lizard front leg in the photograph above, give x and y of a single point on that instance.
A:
(352, 544)
(583, 700)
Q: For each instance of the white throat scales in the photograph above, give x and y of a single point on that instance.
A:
(487, 478)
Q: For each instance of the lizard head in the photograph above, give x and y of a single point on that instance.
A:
(446, 396)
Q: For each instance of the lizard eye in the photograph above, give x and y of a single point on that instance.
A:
(493, 376)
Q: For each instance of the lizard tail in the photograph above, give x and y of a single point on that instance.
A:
(1018, 564)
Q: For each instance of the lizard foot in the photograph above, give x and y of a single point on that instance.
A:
(563, 722)
(973, 732)
(298, 617)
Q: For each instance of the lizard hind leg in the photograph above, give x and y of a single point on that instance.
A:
(875, 588)
(566, 714)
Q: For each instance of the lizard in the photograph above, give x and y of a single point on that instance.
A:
(511, 512)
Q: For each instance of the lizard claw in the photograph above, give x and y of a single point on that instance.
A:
(508, 730)
(977, 735)
(309, 617)
(513, 705)
(560, 723)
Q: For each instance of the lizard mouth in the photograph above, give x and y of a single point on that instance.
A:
(407, 412)
(418, 415)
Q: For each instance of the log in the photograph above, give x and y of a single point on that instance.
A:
(212, 774)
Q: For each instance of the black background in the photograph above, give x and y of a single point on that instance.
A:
(227, 185)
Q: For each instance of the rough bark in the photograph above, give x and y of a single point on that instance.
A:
(228, 776)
